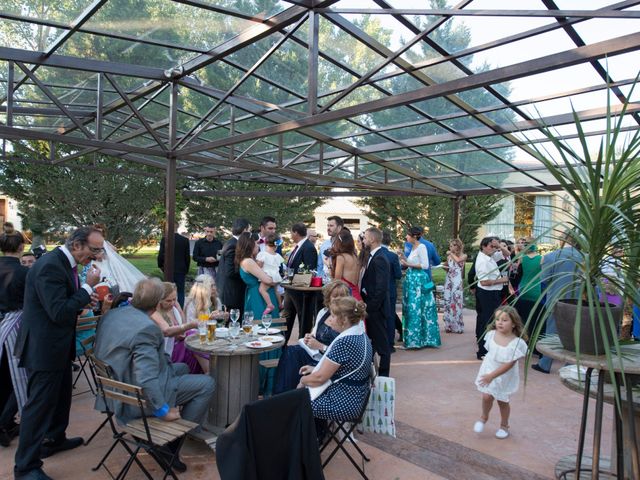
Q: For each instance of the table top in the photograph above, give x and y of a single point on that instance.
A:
(628, 358)
(227, 347)
(569, 380)
(299, 288)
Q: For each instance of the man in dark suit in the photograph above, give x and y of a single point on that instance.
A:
(375, 293)
(46, 347)
(303, 253)
(395, 274)
(231, 288)
(181, 262)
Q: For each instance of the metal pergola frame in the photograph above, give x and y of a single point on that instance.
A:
(292, 146)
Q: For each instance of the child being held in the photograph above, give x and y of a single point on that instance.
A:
(499, 377)
(270, 261)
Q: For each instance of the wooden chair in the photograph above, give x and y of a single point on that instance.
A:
(84, 324)
(150, 434)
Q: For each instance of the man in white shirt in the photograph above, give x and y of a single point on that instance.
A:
(334, 225)
(489, 286)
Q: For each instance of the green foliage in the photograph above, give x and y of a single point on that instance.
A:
(55, 198)
(434, 214)
(224, 209)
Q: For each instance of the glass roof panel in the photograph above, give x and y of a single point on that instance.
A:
(63, 12)
(25, 35)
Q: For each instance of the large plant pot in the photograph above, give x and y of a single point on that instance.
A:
(590, 336)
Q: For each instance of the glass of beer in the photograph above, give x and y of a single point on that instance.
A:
(247, 325)
(203, 317)
(202, 331)
(211, 331)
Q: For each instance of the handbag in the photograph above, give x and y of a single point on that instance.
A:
(380, 412)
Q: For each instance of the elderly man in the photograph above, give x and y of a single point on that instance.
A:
(132, 344)
(46, 347)
(205, 252)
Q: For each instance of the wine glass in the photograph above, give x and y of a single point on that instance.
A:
(234, 314)
(266, 322)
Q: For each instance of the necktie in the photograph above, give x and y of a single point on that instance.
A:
(76, 281)
(293, 254)
(260, 241)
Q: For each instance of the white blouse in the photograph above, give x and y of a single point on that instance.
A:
(420, 256)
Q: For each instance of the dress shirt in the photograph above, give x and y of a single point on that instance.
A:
(74, 267)
(326, 245)
(487, 269)
(373, 252)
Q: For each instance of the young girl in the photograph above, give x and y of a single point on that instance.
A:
(498, 376)
(270, 262)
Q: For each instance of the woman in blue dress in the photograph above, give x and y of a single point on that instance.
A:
(347, 363)
(252, 275)
(419, 311)
(296, 356)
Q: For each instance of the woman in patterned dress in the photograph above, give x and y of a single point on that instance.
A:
(453, 299)
(347, 363)
(419, 311)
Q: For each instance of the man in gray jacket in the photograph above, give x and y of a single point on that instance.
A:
(130, 342)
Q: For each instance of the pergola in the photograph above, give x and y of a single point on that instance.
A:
(372, 96)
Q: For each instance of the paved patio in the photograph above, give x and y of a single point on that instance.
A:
(436, 406)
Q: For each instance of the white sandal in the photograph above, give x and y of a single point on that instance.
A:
(478, 427)
(502, 433)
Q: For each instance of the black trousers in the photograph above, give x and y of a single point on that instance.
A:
(487, 301)
(8, 402)
(44, 416)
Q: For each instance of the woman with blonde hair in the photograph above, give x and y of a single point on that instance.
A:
(202, 300)
(172, 321)
(347, 363)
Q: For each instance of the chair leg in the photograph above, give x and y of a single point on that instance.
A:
(104, 422)
(127, 466)
(339, 427)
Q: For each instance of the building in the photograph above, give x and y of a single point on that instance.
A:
(9, 212)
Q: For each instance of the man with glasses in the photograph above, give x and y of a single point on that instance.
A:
(488, 288)
(46, 346)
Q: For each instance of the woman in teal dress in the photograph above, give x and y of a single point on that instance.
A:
(252, 275)
(419, 312)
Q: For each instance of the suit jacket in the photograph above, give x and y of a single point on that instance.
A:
(133, 346)
(306, 254)
(274, 439)
(231, 288)
(395, 273)
(181, 255)
(375, 292)
(47, 336)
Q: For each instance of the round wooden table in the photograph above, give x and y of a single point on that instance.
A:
(626, 462)
(234, 367)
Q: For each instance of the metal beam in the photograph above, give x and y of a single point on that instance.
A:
(551, 62)
(296, 193)
(448, 12)
(312, 73)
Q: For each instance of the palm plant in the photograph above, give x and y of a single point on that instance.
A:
(604, 184)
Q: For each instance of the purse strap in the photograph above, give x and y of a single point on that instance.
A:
(364, 357)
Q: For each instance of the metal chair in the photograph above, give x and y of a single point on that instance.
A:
(162, 440)
(84, 324)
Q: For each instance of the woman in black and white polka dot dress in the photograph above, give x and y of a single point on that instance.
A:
(347, 363)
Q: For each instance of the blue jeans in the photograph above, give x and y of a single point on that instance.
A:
(551, 328)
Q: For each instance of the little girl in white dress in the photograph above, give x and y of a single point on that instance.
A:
(270, 261)
(499, 376)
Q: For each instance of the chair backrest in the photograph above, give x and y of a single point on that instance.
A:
(87, 323)
(87, 346)
(122, 392)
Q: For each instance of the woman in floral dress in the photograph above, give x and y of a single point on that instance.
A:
(453, 300)
(419, 311)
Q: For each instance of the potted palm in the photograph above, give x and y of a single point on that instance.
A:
(604, 183)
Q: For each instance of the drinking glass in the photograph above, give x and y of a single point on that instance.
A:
(247, 325)
(234, 314)
(234, 330)
(211, 331)
(202, 331)
(266, 322)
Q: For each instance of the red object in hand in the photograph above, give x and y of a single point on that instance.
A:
(316, 282)
(102, 291)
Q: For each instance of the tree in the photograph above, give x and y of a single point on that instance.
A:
(435, 214)
(224, 209)
(54, 198)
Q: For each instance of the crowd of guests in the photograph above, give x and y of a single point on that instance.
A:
(41, 299)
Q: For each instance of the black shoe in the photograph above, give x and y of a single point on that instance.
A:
(538, 368)
(480, 356)
(51, 448)
(8, 433)
(36, 474)
(75, 367)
